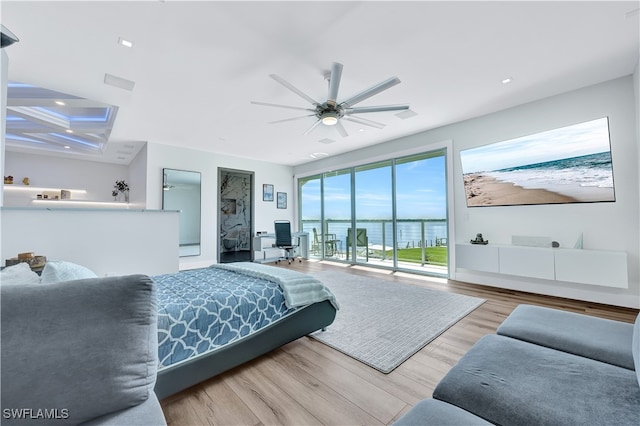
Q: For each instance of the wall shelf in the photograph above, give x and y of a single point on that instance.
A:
(119, 204)
(26, 194)
(30, 188)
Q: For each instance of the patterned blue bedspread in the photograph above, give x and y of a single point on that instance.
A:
(203, 309)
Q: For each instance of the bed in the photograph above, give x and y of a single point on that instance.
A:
(213, 319)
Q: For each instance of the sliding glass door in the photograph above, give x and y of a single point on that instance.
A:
(337, 212)
(389, 214)
(373, 235)
(421, 212)
(310, 212)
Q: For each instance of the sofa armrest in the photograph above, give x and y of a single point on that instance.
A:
(439, 413)
(85, 347)
(149, 413)
(591, 337)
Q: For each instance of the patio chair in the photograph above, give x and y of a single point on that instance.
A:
(361, 240)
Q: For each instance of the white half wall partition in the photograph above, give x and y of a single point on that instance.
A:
(107, 241)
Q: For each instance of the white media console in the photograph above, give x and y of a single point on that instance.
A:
(594, 267)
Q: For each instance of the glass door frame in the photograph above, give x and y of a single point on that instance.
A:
(444, 147)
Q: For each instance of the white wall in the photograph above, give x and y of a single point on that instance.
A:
(606, 226)
(165, 156)
(138, 180)
(109, 242)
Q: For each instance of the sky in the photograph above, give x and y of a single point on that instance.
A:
(590, 137)
(421, 193)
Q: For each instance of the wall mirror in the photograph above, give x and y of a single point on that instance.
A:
(181, 191)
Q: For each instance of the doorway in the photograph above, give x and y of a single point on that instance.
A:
(235, 216)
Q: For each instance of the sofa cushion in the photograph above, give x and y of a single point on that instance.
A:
(437, 413)
(510, 382)
(596, 338)
(86, 346)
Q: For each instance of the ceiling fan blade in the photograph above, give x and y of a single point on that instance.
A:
(380, 108)
(384, 85)
(282, 106)
(334, 83)
(290, 119)
(294, 89)
(340, 128)
(365, 122)
(312, 127)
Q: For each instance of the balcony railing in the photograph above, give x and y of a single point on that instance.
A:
(420, 242)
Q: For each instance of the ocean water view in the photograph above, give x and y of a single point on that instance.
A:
(570, 176)
(380, 232)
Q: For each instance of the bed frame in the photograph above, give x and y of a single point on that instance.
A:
(173, 379)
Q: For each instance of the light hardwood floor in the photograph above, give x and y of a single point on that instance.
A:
(308, 383)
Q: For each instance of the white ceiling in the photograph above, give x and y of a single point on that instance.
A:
(197, 65)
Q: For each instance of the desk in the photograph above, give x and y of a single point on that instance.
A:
(265, 253)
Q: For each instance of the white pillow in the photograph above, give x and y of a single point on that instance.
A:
(58, 270)
(20, 273)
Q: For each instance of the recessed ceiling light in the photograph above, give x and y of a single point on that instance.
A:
(60, 103)
(507, 80)
(124, 42)
(67, 147)
(69, 131)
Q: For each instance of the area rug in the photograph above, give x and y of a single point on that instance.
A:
(382, 323)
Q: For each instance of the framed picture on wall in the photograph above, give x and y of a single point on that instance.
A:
(282, 200)
(267, 192)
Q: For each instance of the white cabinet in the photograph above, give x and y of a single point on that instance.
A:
(532, 262)
(597, 267)
(594, 267)
(477, 257)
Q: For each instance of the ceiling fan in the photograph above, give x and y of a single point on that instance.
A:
(331, 111)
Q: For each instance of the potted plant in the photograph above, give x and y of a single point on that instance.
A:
(121, 187)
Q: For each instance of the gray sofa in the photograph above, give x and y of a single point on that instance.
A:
(80, 352)
(543, 367)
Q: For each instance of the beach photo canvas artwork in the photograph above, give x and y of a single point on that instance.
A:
(571, 164)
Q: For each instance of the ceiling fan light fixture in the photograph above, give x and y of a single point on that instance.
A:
(329, 119)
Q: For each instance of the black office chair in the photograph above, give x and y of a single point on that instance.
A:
(284, 240)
